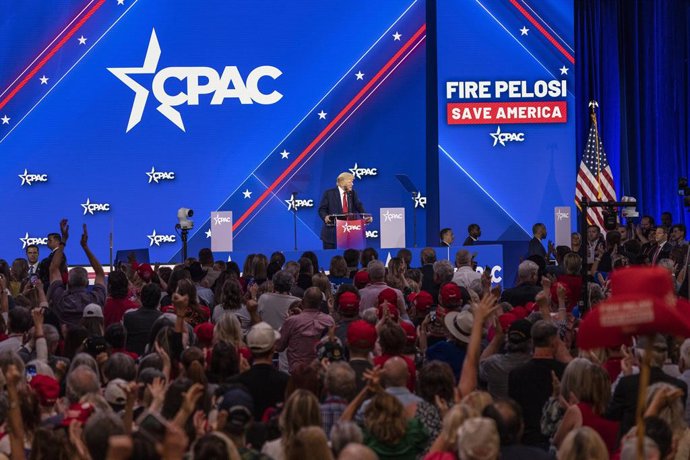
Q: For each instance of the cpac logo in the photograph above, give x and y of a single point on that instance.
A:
(360, 172)
(495, 270)
(200, 80)
(502, 138)
(90, 208)
(347, 228)
(30, 178)
(296, 204)
(372, 234)
(158, 239)
(29, 240)
(390, 216)
(218, 220)
(562, 215)
(419, 200)
(155, 176)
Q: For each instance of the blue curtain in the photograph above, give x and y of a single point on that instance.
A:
(633, 57)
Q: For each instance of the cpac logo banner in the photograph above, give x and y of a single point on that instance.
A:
(157, 239)
(155, 176)
(28, 178)
(90, 208)
(221, 231)
(347, 228)
(30, 240)
(294, 204)
(502, 138)
(495, 270)
(200, 80)
(361, 172)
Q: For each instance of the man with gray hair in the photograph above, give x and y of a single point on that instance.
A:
(526, 289)
(339, 384)
(369, 295)
(68, 304)
(339, 200)
(465, 275)
(81, 381)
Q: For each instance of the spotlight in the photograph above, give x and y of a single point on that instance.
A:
(183, 215)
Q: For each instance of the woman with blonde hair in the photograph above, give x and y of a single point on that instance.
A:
(301, 410)
(395, 275)
(585, 391)
(447, 440)
(583, 444)
(665, 401)
(229, 330)
(478, 440)
(478, 400)
(310, 444)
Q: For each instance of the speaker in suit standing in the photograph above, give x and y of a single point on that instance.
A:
(339, 200)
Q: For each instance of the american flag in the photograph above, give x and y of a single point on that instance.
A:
(594, 179)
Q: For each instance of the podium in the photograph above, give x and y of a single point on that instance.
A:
(350, 230)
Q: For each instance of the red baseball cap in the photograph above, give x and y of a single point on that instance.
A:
(361, 279)
(145, 272)
(451, 295)
(204, 334)
(361, 334)
(47, 389)
(422, 301)
(388, 295)
(348, 303)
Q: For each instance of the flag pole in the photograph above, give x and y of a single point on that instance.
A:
(593, 115)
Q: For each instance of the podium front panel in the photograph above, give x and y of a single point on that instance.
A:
(350, 234)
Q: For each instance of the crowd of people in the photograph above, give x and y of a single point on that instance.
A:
(356, 360)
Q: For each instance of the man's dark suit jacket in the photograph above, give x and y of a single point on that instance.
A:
(665, 253)
(624, 401)
(331, 204)
(468, 241)
(536, 248)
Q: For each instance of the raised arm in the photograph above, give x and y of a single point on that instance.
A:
(468, 376)
(95, 264)
(58, 255)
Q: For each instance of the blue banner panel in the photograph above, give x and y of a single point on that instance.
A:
(116, 113)
(506, 114)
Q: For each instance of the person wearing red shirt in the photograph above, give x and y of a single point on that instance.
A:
(117, 302)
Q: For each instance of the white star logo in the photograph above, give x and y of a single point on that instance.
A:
(120, 2)
(25, 240)
(151, 175)
(524, 30)
(153, 239)
(291, 203)
(396, 36)
(247, 193)
(564, 70)
(388, 216)
(359, 75)
(82, 40)
(141, 94)
(86, 207)
(322, 115)
(208, 233)
(284, 154)
(419, 200)
(24, 177)
(44, 80)
(353, 170)
(497, 137)
(5, 120)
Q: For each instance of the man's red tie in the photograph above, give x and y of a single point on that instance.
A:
(345, 210)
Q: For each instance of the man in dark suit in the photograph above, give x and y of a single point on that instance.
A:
(536, 248)
(663, 248)
(473, 234)
(339, 200)
(623, 404)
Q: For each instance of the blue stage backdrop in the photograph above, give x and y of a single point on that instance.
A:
(506, 114)
(116, 113)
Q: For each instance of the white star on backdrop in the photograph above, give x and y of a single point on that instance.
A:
(24, 177)
(208, 233)
(152, 238)
(524, 30)
(284, 154)
(82, 40)
(86, 206)
(247, 193)
(322, 115)
(396, 36)
(5, 120)
(564, 70)
(120, 2)
(359, 75)
(44, 80)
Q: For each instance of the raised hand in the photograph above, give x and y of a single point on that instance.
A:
(64, 230)
(84, 237)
